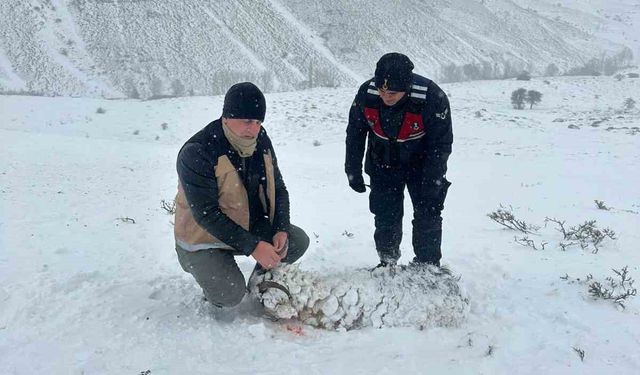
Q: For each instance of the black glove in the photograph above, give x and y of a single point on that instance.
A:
(357, 182)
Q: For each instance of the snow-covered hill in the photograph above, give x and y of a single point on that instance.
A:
(85, 290)
(154, 47)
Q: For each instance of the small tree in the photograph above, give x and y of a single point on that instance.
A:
(131, 89)
(629, 104)
(518, 98)
(177, 88)
(156, 87)
(533, 97)
(552, 70)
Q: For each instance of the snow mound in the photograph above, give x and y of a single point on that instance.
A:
(420, 296)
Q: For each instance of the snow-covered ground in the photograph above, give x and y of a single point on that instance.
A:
(83, 290)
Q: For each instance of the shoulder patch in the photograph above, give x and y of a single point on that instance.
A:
(442, 115)
(418, 91)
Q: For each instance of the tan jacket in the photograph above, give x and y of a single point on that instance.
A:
(232, 200)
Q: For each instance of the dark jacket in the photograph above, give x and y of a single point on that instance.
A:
(414, 134)
(226, 194)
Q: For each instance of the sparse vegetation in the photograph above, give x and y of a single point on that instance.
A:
(127, 220)
(617, 289)
(506, 218)
(156, 88)
(177, 88)
(586, 234)
(580, 353)
(533, 97)
(168, 206)
(131, 88)
(521, 95)
(601, 205)
(629, 104)
(23, 93)
(606, 65)
(551, 70)
(518, 98)
(490, 350)
(526, 241)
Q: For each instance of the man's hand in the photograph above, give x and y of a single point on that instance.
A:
(281, 243)
(356, 182)
(265, 254)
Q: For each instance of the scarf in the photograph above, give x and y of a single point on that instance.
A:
(244, 146)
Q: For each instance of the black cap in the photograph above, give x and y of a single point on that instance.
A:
(244, 100)
(394, 72)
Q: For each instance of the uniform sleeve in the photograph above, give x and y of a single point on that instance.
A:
(357, 130)
(439, 140)
(281, 220)
(195, 169)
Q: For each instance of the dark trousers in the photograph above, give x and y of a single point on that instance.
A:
(386, 203)
(218, 274)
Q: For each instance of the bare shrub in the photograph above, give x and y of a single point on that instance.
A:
(527, 242)
(617, 289)
(506, 218)
(601, 205)
(586, 234)
(580, 353)
(629, 104)
(589, 233)
(168, 206)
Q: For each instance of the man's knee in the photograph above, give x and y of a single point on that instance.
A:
(427, 220)
(298, 244)
(217, 274)
(227, 291)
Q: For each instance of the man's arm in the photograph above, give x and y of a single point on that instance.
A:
(281, 220)
(439, 139)
(197, 176)
(356, 139)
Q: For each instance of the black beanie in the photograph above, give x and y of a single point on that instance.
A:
(394, 72)
(244, 100)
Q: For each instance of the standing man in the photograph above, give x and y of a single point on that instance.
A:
(408, 122)
(232, 200)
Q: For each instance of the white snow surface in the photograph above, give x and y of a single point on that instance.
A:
(83, 290)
